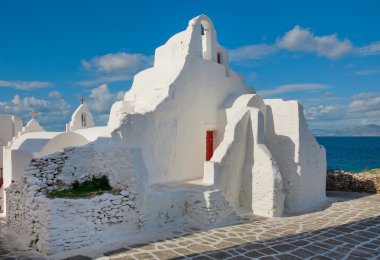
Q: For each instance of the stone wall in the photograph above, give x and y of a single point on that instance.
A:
(356, 182)
(28, 213)
(46, 169)
(52, 225)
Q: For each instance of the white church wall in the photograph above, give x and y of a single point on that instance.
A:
(291, 144)
(312, 156)
(229, 159)
(19, 160)
(14, 163)
(174, 102)
(267, 183)
(9, 126)
(177, 128)
(243, 166)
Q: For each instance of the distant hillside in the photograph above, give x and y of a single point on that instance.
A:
(368, 130)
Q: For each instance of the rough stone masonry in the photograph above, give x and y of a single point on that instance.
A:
(356, 182)
(52, 225)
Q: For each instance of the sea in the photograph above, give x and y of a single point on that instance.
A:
(351, 153)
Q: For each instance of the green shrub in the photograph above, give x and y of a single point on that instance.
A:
(94, 186)
(75, 185)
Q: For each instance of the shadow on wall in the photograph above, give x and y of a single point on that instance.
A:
(282, 149)
(245, 193)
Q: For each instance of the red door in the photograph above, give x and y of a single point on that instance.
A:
(209, 145)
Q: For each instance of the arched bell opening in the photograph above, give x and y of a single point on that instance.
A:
(205, 29)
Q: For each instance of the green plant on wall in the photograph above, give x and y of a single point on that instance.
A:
(91, 187)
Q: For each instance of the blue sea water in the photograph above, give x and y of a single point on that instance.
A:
(351, 153)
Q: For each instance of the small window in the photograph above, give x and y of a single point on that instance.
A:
(219, 58)
(83, 119)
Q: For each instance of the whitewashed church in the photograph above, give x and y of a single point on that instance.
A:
(190, 145)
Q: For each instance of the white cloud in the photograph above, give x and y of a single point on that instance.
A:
(122, 61)
(51, 114)
(301, 39)
(114, 67)
(293, 88)
(25, 85)
(369, 50)
(298, 39)
(252, 52)
(55, 113)
(367, 72)
(100, 101)
(363, 109)
(322, 98)
(55, 94)
(102, 79)
(368, 102)
(324, 112)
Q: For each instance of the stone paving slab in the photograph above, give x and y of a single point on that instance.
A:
(349, 228)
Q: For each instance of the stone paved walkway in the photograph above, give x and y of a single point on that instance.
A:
(349, 228)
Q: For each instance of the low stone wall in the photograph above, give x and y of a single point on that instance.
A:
(52, 225)
(47, 169)
(356, 182)
(28, 213)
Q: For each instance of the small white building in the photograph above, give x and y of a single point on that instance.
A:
(9, 128)
(190, 144)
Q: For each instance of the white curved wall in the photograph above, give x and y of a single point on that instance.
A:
(61, 141)
(243, 167)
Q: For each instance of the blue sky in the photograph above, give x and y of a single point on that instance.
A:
(326, 54)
